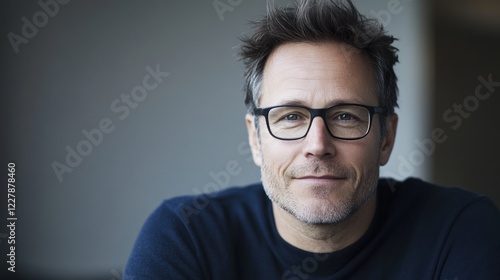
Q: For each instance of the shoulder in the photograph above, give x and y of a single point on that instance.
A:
(217, 212)
(457, 228)
(414, 192)
(208, 216)
(185, 234)
(429, 210)
(207, 205)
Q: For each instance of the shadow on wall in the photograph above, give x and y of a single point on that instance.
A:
(467, 94)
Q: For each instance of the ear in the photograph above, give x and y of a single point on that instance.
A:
(391, 122)
(253, 139)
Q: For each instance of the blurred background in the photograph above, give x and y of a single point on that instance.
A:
(110, 107)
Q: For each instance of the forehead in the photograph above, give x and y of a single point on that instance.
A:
(317, 75)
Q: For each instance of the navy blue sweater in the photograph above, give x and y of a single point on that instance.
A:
(419, 231)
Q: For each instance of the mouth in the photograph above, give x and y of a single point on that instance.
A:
(320, 178)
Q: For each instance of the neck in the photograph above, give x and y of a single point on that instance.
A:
(324, 238)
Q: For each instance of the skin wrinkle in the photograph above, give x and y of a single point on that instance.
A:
(322, 215)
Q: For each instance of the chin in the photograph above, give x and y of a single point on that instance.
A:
(320, 211)
(320, 207)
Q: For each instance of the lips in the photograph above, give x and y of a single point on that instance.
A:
(320, 177)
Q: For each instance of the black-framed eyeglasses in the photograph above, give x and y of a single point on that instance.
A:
(343, 121)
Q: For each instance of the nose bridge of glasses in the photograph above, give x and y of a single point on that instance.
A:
(322, 114)
(318, 113)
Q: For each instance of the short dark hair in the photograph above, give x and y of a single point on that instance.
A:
(319, 21)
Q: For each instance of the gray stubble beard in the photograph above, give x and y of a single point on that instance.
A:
(319, 214)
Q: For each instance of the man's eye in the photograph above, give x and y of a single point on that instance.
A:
(345, 117)
(292, 117)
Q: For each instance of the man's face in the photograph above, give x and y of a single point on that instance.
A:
(319, 179)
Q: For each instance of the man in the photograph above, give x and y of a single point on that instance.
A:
(321, 92)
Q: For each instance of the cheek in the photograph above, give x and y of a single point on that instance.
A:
(362, 155)
(277, 155)
(369, 146)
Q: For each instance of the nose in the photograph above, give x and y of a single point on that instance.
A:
(318, 141)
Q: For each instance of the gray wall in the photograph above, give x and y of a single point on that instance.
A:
(66, 78)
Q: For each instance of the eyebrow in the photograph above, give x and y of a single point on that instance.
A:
(299, 102)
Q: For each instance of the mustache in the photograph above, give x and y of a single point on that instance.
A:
(318, 168)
